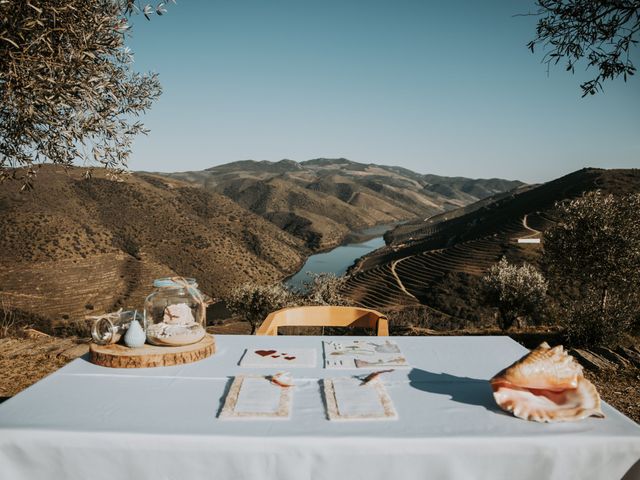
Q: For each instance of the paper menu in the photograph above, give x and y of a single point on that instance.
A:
(363, 354)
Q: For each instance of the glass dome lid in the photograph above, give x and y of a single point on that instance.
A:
(174, 282)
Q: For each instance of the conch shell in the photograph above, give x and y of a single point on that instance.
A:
(546, 385)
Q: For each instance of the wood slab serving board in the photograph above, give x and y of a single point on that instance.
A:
(120, 356)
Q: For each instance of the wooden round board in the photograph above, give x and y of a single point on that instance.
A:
(120, 356)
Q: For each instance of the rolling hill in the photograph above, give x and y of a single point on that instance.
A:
(76, 246)
(437, 262)
(320, 201)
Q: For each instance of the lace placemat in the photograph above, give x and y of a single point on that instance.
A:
(255, 397)
(347, 398)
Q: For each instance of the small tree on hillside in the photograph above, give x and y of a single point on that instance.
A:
(515, 291)
(595, 249)
(254, 302)
(325, 289)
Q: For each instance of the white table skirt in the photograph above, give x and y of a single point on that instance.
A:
(90, 422)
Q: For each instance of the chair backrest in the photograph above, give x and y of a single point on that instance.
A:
(324, 316)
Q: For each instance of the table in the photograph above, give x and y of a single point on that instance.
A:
(90, 422)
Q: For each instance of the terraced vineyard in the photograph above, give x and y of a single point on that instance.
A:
(404, 281)
(378, 288)
(422, 254)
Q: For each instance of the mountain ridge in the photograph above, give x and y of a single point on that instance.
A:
(323, 200)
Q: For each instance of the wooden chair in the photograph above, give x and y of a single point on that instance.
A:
(324, 316)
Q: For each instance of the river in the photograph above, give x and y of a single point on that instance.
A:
(338, 260)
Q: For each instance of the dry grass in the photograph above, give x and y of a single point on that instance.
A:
(7, 317)
(96, 245)
(621, 389)
(24, 361)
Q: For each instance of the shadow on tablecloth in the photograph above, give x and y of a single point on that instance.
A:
(466, 390)
(633, 473)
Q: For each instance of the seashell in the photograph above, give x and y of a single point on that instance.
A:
(546, 385)
(175, 335)
(178, 314)
(282, 379)
(372, 376)
(545, 367)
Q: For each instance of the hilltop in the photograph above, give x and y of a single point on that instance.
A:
(75, 246)
(438, 261)
(320, 201)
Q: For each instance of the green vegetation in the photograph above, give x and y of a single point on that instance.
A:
(67, 87)
(325, 289)
(593, 252)
(516, 291)
(600, 33)
(254, 302)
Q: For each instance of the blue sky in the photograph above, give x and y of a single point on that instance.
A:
(438, 87)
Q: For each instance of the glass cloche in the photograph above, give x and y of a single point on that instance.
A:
(174, 314)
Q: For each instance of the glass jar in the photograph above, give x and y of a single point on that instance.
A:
(174, 314)
(111, 327)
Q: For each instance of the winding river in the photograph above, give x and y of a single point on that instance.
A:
(339, 259)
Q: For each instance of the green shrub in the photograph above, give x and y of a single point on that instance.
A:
(254, 302)
(325, 289)
(593, 254)
(516, 291)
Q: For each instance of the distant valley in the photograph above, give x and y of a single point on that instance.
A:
(78, 246)
(321, 201)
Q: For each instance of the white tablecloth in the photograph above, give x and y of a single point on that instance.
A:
(89, 422)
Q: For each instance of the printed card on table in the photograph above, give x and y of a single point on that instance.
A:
(363, 354)
(271, 357)
(254, 398)
(347, 398)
